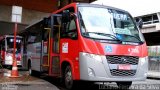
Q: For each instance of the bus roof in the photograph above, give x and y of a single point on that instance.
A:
(10, 36)
(4, 36)
(75, 5)
(13, 36)
(87, 5)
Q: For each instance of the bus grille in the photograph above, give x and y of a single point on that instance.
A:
(114, 59)
(115, 72)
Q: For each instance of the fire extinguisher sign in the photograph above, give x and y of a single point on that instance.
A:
(65, 47)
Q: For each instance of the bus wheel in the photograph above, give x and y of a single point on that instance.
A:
(30, 69)
(124, 85)
(68, 79)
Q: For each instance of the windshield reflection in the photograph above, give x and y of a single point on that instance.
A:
(108, 21)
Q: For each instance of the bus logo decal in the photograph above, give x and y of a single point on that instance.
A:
(133, 50)
(108, 48)
(65, 47)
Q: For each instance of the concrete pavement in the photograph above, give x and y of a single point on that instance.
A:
(24, 82)
(153, 74)
(28, 85)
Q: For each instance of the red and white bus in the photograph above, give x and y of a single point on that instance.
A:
(7, 47)
(87, 42)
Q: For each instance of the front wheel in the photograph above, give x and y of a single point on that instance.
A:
(68, 78)
(124, 85)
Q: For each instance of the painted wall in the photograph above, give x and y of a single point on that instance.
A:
(28, 17)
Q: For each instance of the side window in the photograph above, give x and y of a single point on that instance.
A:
(69, 29)
(72, 30)
(38, 37)
(3, 45)
(31, 39)
(72, 25)
(45, 35)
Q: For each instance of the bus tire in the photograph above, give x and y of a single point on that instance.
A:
(124, 85)
(68, 78)
(30, 69)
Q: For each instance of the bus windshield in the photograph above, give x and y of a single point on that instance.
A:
(10, 44)
(102, 23)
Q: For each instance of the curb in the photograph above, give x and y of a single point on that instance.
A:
(152, 77)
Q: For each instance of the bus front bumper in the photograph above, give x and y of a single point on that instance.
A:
(96, 68)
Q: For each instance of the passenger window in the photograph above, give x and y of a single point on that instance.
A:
(69, 29)
(72, 31)
(72, 25)
(31, 39)
(38, 37)
(3, 45)
(45, 35)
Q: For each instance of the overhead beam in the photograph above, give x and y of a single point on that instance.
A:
(39, 5)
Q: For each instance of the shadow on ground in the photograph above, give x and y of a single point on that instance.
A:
(81, 85)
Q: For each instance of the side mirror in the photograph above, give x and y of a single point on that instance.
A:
(65, 16)
(139, 22)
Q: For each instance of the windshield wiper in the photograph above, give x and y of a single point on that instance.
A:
(104, 34)
(132, 36)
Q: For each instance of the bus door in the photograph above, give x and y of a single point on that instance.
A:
(24, 52)
(45, 50)
(55, 40)
(51, 59)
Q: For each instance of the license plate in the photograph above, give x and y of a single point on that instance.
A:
(124, 67)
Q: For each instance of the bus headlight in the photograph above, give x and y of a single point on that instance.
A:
(91, 72)
(93, 56)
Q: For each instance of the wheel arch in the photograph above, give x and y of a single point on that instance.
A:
(64, 64)
(29, 63)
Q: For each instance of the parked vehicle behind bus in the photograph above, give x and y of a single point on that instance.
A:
(87, 42)
(7, 48)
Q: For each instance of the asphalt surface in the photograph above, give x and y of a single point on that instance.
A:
(26, 82)
(30, 85)
(149, 84)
